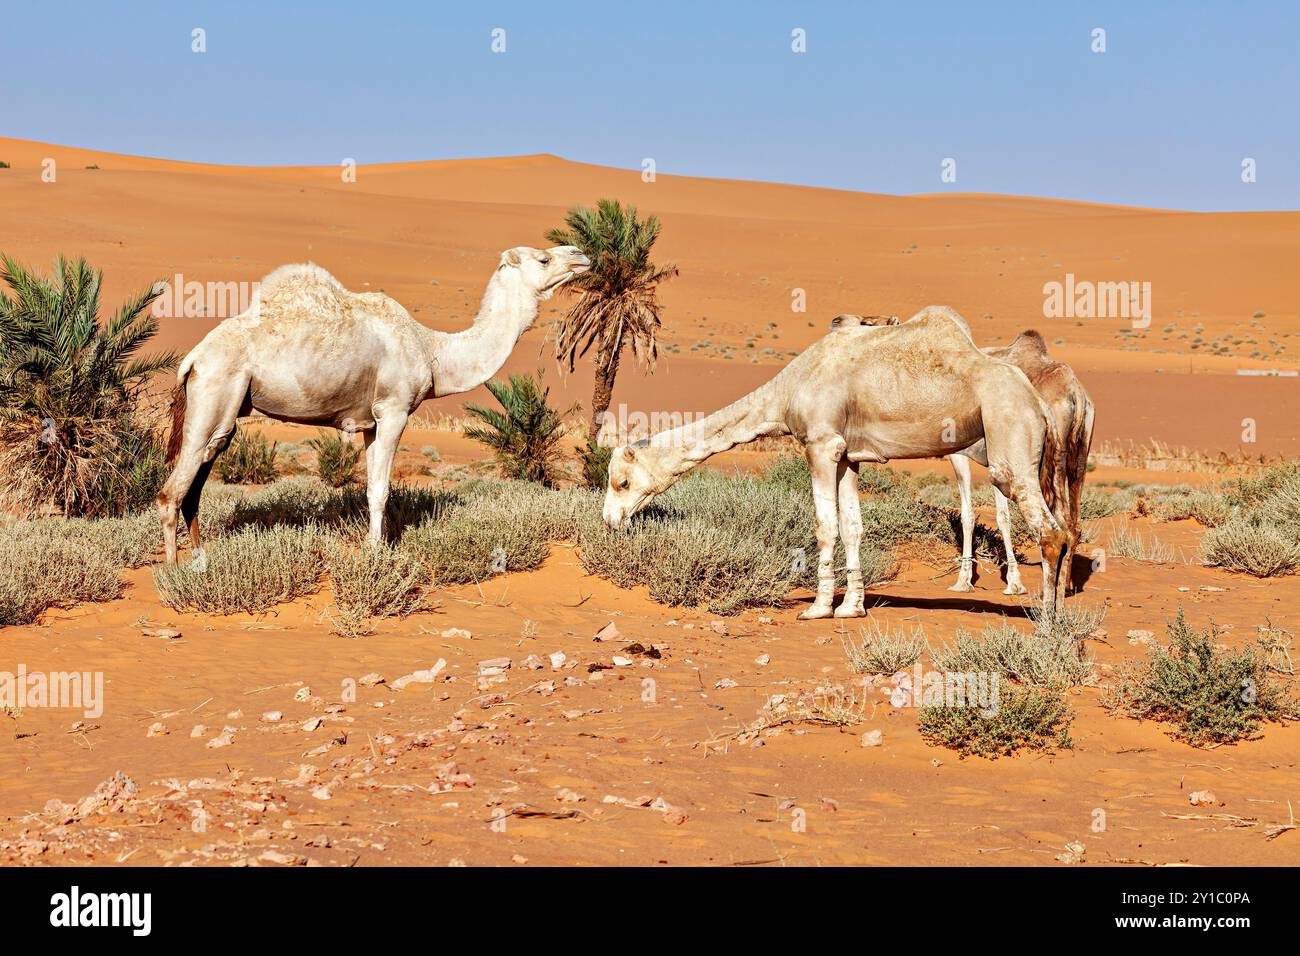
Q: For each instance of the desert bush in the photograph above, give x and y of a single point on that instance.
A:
(336, 458)
(125, 542)
(1095, 503)
(473, 543)
(1210, 696)
(1042, 657)
(1071, 621)
(1210, 508)
(74, 434)
(1032, 718)
(1246, 544)
(40, 571)
(525, 436)
(884, 650)
(249, 459)
(1128, 542)
(372, 582)
(249, 570)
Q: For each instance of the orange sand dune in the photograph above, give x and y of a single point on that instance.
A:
(428, 233)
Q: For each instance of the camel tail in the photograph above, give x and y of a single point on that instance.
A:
(179, 404)
(1053, 474)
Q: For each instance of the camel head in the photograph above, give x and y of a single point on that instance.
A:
(633, 483)
(542, 271)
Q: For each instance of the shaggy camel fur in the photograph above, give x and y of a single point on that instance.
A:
(871, 393)
(309, 351)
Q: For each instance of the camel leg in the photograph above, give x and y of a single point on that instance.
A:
(1021, 486)
(1014, 584)
(190, 503)
(381, 445)
(824, 462)
(961, 466)
(854, 601)
(210, 416)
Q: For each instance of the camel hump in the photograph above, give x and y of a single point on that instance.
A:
(1031, 341)
(942, 319)
(295, 279)
(847, 320)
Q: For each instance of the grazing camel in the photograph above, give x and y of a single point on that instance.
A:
(309, 351)
(871, 393)
(1072, 412)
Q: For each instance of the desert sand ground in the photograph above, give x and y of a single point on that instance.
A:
(591, 771)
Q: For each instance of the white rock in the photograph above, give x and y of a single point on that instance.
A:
(873, 738)
(272, 716)
(557, 660)
(762, 660)
(157, 729)
(1202, 798)
(457, 633)
(302, 694)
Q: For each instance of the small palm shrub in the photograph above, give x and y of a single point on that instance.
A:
(75, 436)
(249, 459)
(40, 570)
(1210, 696)
(249, 571)
(595, 464)
(336, 458)
(1028, 718)
(525, 436)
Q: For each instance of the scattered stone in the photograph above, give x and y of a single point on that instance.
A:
(273, 716)
(311, 723)
(165, 633)
(608, 633)
(557, 660)
(1211, 587)
(1144, 638)
(725, 683)
(1202, 798)
(224, 739)
(765, 620)
(621, 661)
(1073, 854)
(936, 763)
(762, 660)
(719, 627)
(421, 677)
(303, 693)
(533, 662)
(873, 738)
(493, 666)
(565, 795)
(157, 729)
(370, 680)
(457, 633)
(199, 731)
(322, 793)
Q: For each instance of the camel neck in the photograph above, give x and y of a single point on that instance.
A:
(758, 414)
(466, 359)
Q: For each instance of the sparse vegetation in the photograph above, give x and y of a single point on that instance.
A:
(1210, 696)
(42, 570)
(1043, 657)
(249, 459)
(595, 464)
(884, 650)
(250, 570)
(372, 582)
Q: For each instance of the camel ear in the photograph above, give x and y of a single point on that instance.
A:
(510, 257)
(628, 453)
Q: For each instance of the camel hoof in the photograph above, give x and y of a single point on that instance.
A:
(814, 613)
(962, 586)
(850, 610)
(1015, 589)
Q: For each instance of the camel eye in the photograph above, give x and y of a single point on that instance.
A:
(545, 260)
(622, 486)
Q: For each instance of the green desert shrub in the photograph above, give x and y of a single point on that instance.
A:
(525, 436)
(1028, 718)
(39, 571)
(249, 570)
(75, 434)
(1095, 503)
(1247, 544)
(884, 650)
(249, 459)
(1210, 696)
(336, 458)
(373, 581)
(1210, 508)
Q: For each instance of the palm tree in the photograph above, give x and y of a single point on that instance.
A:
(616, 300)
(72, 437)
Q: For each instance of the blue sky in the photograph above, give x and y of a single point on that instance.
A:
(884, 93)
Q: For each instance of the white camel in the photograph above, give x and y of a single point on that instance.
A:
(1072, 411)
(307, 350)
(871, 393)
